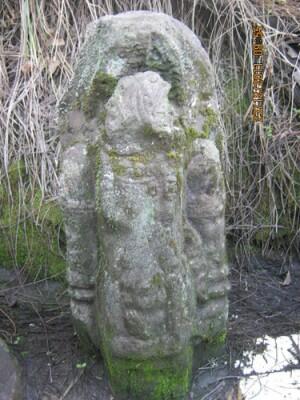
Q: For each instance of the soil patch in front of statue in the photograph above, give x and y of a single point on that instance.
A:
(264, 300)
(35, 321)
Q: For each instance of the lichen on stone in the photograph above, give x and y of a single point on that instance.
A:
(210, 122)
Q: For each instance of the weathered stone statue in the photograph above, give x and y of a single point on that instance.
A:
(143, 198)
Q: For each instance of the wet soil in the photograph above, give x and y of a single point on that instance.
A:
(35, 321)
(264, 300)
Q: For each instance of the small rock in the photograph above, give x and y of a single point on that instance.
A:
(10, 375)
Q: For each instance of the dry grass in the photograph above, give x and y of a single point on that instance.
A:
(261, 162)
(39, 44)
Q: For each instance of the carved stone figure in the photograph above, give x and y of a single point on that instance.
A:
(143, 199)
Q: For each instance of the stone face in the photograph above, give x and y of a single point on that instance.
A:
(10, 376)
(143, 198)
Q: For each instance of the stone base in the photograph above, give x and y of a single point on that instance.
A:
(153, 379)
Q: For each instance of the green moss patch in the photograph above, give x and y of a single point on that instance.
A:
(117, 167)
(162, 61)
(142, 158)
(173, 155)
(210, 122)
(151, 379)
(192, 134)
(31, 234)
(216, 340)
(209, 347)
(139, 158)
(220, 142)
(102, 88)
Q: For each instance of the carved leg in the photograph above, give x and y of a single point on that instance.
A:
(77, 198)
(205, 239)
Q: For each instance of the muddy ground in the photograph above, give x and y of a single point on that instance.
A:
(35, 321)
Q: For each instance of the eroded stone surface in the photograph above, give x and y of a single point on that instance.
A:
(143, 198)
